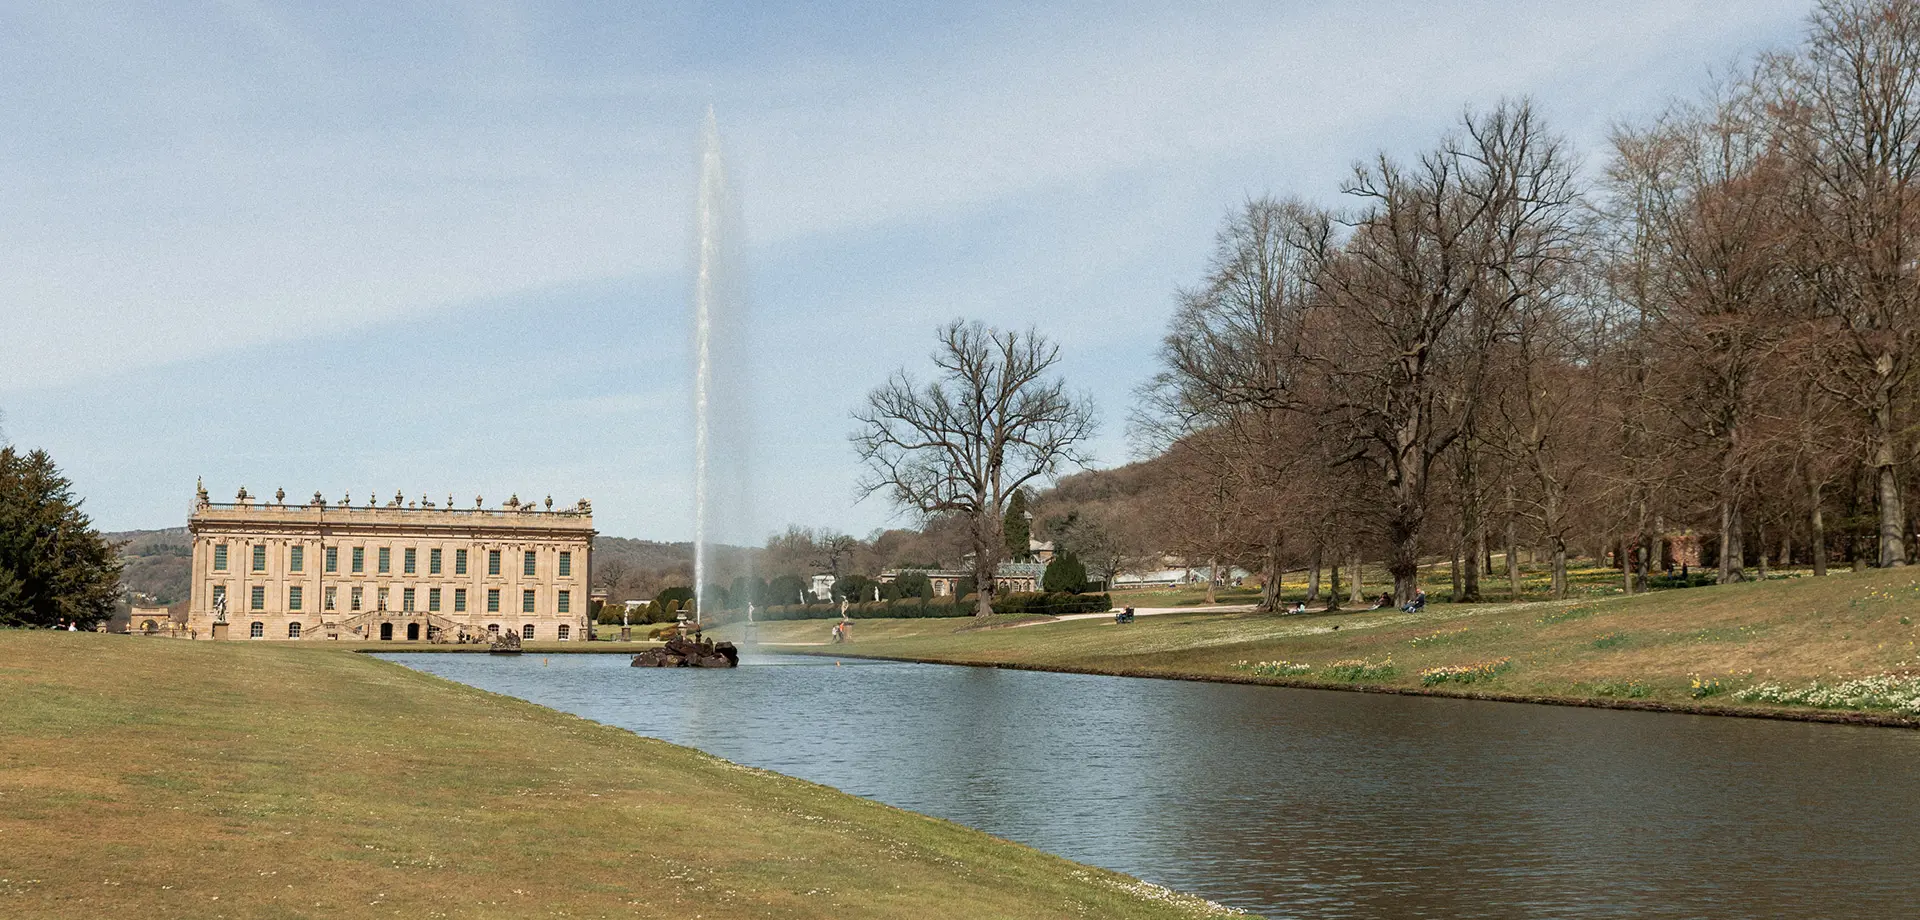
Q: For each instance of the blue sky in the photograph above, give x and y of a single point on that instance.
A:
(446, 248)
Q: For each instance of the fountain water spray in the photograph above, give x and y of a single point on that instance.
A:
(713, 187)
(723, 404)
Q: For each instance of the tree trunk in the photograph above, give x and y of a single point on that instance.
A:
(1333, 588)
(1732, 550)
(1893, 517)
(1626, 564)
(1760, 536)
(1453, 574)
(1476, 557)
(1513, 563)
(1817, 524)
(1273, 566)
(1358, 597)
(1643, 567)
(1313, 576)
(1559, 569)
(987, 542)
(1403, 561)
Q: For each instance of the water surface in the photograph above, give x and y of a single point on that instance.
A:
(1304, 803)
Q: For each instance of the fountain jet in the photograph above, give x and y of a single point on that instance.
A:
(713, 188)
(722, 408)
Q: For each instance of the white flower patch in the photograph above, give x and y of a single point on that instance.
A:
(1883, 691)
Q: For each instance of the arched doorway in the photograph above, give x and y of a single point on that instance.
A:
(413, 632)
(149, 627)
(386, 632)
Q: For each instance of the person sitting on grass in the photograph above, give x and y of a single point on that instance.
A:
(1419, 602)
(1298, 607)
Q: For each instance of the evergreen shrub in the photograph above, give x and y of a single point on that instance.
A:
(1054, 604)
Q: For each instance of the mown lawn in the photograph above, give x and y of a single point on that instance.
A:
(144, 778)
(1699, 647)
(1584, 579)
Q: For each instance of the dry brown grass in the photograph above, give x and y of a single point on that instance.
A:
(159, 778)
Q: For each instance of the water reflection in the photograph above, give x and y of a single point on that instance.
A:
(1295, 803)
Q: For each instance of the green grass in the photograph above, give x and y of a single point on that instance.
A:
(157, 778)
(1584, 580)
(1650, 648)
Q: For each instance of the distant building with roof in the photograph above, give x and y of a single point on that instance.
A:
(1008, 578)
(403, 571)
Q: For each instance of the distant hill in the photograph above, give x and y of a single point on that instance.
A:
(159, 563)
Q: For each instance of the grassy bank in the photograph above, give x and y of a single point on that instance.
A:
(1585, 578)
(159, 778)
(1782, 646)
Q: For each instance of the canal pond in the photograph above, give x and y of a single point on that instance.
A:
(1303, 803)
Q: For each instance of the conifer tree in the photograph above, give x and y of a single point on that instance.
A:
(54, 566)
(1017, 528)
(1065, 574)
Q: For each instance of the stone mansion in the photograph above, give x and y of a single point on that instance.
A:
(403, 571)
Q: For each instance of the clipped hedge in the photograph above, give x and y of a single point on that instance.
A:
(1037, 603)
(1052, 604)
(906, 607)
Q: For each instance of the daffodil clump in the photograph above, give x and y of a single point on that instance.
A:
(1464, 673)
(1355, 669)
(1702, 687)
(1884, 691)
(1272, 668)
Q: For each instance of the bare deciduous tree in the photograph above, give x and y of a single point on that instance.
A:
(1230, 391)
(990, 421)
(1439, 255)
(1852, 114)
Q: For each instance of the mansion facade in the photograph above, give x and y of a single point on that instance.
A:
(404, 571)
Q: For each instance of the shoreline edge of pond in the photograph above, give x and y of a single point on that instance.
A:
(1835, 717)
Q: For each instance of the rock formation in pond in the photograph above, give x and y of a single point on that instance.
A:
(681, 652)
